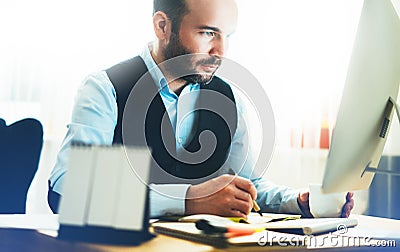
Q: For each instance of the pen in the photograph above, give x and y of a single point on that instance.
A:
(256, 207)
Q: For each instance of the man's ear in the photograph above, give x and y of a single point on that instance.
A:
(162, 26)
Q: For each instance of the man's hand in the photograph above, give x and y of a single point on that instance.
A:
(226, 195)
(303, 200)
(348, 206)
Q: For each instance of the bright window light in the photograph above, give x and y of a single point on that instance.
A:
(299, 51)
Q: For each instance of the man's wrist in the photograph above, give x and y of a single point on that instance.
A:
(304, 206)
(189, 200)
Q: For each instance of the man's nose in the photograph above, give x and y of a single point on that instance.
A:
(219, 47)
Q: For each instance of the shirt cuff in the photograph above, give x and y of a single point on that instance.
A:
(289, 202)
(167, 199)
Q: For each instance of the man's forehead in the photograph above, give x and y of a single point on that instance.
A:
(215, 13)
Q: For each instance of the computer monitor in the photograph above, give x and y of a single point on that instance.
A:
(368, 101)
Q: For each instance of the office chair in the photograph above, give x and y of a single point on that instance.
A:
(20, 147)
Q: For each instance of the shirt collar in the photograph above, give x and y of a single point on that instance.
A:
(154, 70)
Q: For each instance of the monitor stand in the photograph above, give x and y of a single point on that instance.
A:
(393, 104)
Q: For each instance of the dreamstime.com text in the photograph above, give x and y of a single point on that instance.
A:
(336, 239)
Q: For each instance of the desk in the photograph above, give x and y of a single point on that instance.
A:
(31, 240)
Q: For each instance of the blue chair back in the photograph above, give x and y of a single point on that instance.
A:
(20, 148)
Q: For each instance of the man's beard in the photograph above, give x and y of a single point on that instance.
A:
(187, 64)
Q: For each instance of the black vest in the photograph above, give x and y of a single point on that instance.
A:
(143, 121)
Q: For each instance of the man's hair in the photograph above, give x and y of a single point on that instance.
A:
(174, 9)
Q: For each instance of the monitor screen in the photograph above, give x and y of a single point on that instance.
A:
(366, 110)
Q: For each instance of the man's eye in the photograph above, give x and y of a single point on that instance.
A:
(209, 33)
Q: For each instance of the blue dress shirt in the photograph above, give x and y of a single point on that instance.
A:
(94, 118)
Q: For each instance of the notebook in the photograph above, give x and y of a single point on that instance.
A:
(312, 226)
(287, 223)
(252, 218)
(291, 228)
(188, 231)
(279, 229)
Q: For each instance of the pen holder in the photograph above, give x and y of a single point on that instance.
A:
(106, 235)
(105, 197)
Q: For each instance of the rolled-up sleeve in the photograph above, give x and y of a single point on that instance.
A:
(94, 117)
